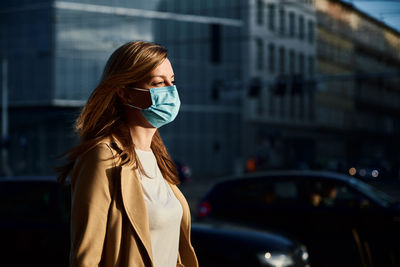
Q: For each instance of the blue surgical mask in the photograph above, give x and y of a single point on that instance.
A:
(165, 105)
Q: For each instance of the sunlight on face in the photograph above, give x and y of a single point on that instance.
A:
(161, 76)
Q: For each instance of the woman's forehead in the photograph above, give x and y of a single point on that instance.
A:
(164, 69)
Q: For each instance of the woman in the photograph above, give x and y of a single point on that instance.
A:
(126, 208)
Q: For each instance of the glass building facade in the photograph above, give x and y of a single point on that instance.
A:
(56, 52)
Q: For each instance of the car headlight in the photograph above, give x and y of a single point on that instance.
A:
(276, 259)
(302, 253)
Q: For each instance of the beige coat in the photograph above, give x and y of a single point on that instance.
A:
(109, 222)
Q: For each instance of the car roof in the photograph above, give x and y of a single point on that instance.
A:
(297, 174)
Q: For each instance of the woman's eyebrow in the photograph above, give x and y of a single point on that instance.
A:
(161, 76)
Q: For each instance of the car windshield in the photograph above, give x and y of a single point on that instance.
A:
(373, 193)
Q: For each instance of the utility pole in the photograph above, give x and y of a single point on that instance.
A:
(5, 170)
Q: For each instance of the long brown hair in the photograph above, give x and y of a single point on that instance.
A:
(102, 116)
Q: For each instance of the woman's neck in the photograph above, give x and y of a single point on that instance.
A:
(142, 136)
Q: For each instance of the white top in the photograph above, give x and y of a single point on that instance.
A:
(164, 209)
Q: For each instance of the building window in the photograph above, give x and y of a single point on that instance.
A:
(311, 101)
(301, 63)
(271, 58)
(255, 87)
(310, 31)
(292, 25)
(311, 66)
(260, 12)
(282, 21)
(282, 59)
(271, 16)
(301, 27)
(215, 43)
(292, 62)
(301, 111)
(259, 54)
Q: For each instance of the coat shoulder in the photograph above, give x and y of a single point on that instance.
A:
(94, 163)
(100, 153)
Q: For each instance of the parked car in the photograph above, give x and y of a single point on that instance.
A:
(35, 229)
(34, 222)
(222, 245)
(341, 220)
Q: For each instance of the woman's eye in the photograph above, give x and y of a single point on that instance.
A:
(157, 83)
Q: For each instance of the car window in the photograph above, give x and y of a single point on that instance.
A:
(373, 193)
(263, 192)
(349, 198)
(286, 190)
(244, 192)
(336, 195)
(281, 193)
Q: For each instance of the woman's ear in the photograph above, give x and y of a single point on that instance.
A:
(121, 93)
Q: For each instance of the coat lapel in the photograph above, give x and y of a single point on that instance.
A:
(135, 207)
(186, 251)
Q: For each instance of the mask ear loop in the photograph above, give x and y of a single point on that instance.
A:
(132, 106)
(140, 89)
